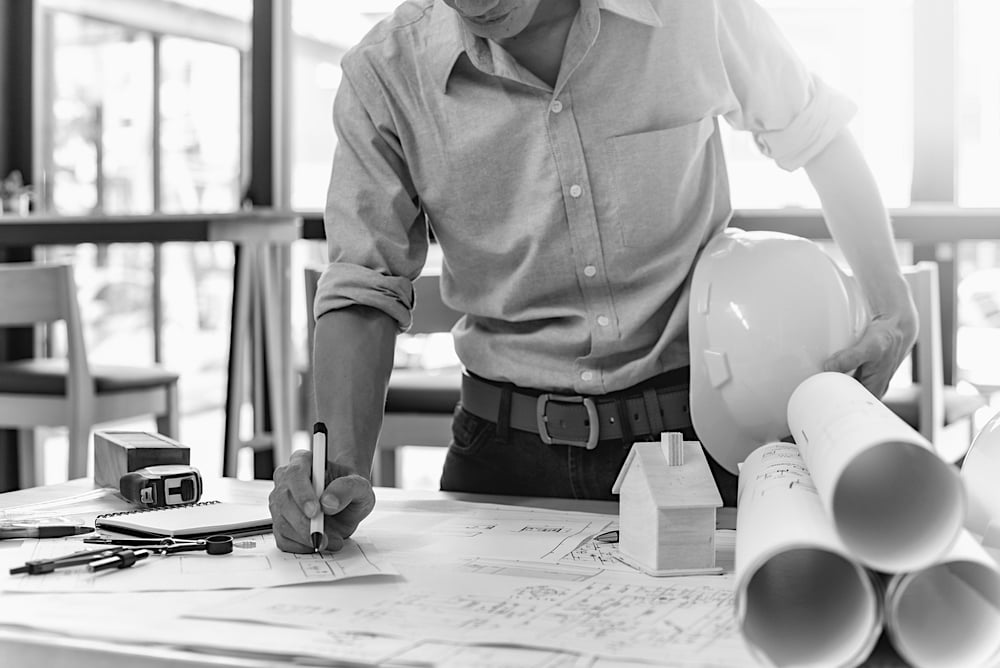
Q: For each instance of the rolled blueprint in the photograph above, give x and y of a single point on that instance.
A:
(979, 472)
(895, 504)
(947, 614)
(800, 599)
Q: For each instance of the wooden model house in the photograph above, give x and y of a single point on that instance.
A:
(668, 501)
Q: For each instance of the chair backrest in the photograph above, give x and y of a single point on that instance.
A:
(39, 293)
(928, 367)
(35, 293)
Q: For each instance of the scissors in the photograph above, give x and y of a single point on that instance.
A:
(218, 544)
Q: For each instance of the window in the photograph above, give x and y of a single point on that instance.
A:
(978, 103)
(322, 32)
(200, 137)
(864, 50)
(143, 109)
(101, 96)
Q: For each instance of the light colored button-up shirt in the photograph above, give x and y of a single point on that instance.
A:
(570, 217)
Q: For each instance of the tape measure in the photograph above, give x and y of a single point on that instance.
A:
(161, 486)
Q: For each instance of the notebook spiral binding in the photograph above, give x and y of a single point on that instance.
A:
(151, 510)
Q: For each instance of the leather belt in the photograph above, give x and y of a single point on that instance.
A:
(580, 420)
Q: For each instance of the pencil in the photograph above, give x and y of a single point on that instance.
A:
(43, 531)
(317, 534)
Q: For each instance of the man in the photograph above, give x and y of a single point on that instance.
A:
(567, 157)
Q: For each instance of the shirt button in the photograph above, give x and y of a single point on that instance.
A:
(590, 271)
(587, 375)
(575, 190)
(556, 107)
(603, 321)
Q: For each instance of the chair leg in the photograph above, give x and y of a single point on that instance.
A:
(169, 424)
(273, 320)
(79, 448)
(28, 463)
(238, 349)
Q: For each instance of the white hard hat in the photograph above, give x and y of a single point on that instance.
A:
(767, 309)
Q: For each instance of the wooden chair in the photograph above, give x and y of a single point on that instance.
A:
(927, 404)
(419, 402)
(69, 391)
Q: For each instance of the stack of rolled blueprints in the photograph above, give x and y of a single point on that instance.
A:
(858, 526)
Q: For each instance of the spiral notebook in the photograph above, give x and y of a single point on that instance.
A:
(192, 521)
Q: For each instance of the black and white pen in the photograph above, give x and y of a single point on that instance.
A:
(316, 530)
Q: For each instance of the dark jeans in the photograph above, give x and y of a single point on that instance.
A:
(478, 460)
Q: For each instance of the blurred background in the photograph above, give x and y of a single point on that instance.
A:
(146, 106)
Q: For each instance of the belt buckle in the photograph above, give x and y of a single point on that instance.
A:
(542, 419)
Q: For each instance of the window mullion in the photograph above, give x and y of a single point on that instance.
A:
(156, 298)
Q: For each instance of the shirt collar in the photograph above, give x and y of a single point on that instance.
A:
(446, 42)
(449, 37)
(640, 11)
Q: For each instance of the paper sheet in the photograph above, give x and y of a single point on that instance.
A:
(154, 618)
(600, 555)
(894, 503)
(448, 655)
(948, 614)
(255, 562)
(90, 502)
(688, 620)
(458, 529)
(979, 473)
(800, 598)
(606, 556)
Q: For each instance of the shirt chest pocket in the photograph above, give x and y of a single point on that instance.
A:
(660, 178)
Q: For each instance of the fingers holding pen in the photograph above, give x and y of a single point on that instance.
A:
(297, 478)
(350, 491)
(287, 537)
(346, 500)
(293, 502)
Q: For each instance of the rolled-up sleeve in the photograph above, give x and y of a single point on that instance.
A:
(343, 285)
(792, 113)
(375, 228)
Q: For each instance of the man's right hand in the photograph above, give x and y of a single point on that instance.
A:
(347, 499)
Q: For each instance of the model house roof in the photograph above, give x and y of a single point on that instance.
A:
(689, 485)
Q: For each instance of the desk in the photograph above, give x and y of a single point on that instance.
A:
(261, 297)
(26, 647)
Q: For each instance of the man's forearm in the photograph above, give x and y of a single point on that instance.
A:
(352, 361)
(858, 221)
